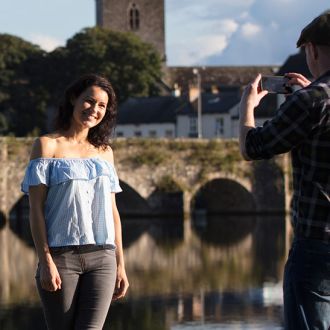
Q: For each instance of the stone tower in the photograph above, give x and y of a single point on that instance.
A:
(145, 18)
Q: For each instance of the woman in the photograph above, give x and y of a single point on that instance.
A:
(75, 224)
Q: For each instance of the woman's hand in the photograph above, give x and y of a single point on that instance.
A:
(121, 284)
(49, 277)
(297, 79)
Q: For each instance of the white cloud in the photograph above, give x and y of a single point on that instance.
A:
(202, 47)
(210, 45)
(250, 30)
(228, 26)
(244, 15)
(46, 42)
(239, 26)
(274, 25)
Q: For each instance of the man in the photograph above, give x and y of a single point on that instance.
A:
(302, 126)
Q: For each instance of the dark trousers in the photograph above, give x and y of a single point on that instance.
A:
(88, 280)
(307, 286)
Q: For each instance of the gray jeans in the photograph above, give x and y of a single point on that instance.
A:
(88, 280)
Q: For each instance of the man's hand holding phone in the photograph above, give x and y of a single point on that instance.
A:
(283, 84)
(252, 94)
(297, 79)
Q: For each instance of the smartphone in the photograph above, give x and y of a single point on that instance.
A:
(275, 84)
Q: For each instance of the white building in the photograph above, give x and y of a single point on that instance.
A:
(170, 117)
(216, 115)
(153, 117)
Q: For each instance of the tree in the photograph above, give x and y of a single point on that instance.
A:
(31, 79)
(131, 65)
(22, 108)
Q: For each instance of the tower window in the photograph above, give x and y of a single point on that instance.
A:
(134, 18)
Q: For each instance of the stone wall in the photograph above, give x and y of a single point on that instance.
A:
(156, 170)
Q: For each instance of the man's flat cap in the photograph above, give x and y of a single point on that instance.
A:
(317, 32)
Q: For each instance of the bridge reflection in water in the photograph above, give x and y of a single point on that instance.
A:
(216, 269)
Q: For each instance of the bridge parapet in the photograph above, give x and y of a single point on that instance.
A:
(148, 165)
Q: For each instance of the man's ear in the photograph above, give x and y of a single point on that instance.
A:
(314, 51)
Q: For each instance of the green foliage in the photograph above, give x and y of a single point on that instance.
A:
(168, 185)
(22, 106)
(3, 124)
(150, 156)
(31, 79)
(207, 155)
(14, 52)
(131, 65)
(215, 155)
(151, 151)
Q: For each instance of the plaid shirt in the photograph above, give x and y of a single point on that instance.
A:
(302, 126)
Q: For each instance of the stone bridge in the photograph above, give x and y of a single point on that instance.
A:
(172, 177)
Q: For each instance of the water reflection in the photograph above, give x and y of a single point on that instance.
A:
(226, 270)
(205, 310)
(21, 317)
(224, 230)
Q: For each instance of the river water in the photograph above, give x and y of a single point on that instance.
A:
(220, 272)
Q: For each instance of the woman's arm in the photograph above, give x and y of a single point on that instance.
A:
(49, 276)
(122, 281)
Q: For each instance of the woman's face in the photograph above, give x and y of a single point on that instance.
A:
(89, 107)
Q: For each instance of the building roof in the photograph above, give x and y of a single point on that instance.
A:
(216, 75)
(295, 63)
(212, 103)
(150, 110)
(229, 80)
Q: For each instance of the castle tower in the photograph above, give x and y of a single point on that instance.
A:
(145, 18)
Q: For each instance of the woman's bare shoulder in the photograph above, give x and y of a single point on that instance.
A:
(44, 146)
(107, 154)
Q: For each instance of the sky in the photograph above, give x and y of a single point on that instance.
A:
(198, 32)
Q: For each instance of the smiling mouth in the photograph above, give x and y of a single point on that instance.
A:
(89, 116)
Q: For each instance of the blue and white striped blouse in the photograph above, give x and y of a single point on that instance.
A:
(78, 208)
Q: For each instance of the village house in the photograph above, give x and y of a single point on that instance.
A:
(175, 112)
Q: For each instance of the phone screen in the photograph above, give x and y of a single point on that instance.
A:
(275, 84)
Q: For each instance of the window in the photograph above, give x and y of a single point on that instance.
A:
(152, 134)
(134, 18)
(120, 134)
(219, 126)
(168, 133)
(193, 126)
(137, 134)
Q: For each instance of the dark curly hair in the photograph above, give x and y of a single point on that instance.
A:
(98, 136)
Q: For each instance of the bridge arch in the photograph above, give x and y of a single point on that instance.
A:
(19, 220)
(2, 220)
(130, 202)
(223, 194)
(222, 205)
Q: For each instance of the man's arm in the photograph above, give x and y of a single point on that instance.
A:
(250, 100)
(290, 126)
